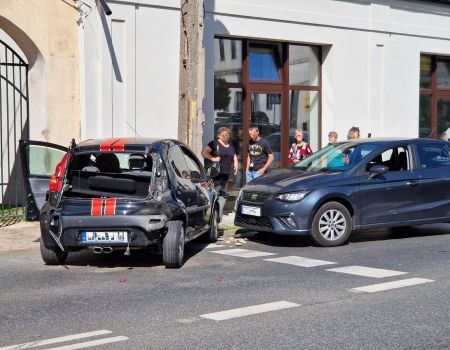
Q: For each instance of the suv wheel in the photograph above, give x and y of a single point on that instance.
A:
(173, 245)
(213, 233)
(331, 225)
(52, 256)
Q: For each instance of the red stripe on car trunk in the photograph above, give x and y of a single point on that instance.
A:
(96, 207)
(119, 145)
(110, 206)
(106, 146)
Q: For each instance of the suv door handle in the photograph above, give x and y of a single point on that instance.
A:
(412, 183)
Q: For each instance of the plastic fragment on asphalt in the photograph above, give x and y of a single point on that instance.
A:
(122, 279)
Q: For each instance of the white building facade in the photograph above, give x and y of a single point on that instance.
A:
(320, 65)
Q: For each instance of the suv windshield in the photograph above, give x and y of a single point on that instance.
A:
(339, 157)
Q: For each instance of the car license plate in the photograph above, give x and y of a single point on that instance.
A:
(248, 210)
(106, 237)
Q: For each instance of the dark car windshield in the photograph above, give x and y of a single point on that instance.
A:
(339, 157)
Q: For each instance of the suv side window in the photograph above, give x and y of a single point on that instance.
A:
(433, 156)
(395, 159)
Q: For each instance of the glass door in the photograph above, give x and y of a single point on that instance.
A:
(266, 114)
(443, 118)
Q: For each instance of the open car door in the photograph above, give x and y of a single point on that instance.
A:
(39, 160)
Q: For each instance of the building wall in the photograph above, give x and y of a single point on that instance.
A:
(130, 70)
(46, 32)
(371, 54)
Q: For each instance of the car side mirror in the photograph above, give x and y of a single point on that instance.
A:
(377, 170)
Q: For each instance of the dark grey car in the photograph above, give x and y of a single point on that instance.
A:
(352, 185)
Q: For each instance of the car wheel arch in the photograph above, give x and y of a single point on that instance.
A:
(341, 200)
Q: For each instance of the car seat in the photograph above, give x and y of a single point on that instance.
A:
(108, 163)
(402, 161)
(138, 164)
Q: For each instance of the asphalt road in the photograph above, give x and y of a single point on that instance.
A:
(135, 303)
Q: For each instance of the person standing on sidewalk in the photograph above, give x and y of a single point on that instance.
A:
(221, 153)
(299, 149)
(260, 155)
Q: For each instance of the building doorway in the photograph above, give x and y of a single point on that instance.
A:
(274, 85)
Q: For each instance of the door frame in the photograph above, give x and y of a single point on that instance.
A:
(31, 210)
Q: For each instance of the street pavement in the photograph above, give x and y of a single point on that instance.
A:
(386, 289)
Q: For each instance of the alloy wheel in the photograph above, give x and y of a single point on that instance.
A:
(332, 224)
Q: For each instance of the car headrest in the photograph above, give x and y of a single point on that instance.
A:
(108, 163)
(136, 162)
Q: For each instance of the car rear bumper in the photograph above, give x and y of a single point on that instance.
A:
(143, 230)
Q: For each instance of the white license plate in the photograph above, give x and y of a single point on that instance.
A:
(248, 210)
(107, 237)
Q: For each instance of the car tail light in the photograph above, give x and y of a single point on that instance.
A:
(56, 181)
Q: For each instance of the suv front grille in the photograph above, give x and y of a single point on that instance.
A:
(255, 197)
(253, 221)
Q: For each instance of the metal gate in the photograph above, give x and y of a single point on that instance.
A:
(14, 125)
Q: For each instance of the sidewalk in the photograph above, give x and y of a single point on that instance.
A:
(227, 220)
(21, 236)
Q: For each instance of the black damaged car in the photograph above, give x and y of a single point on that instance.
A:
(118, 194)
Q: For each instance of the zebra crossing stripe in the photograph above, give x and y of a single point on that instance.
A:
(367, 271)
(374, 288)
(56, 340)
(300, 261)
(91, 343)
(249, 310)
(242, 253)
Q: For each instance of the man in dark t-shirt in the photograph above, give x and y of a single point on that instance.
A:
(260, 155)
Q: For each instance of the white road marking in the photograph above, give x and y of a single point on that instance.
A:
(56, 340)
(89, 344)
(367, 271)
(249, 310)
(391, 285)
(242, 253)
(213, 245)
(300, 261)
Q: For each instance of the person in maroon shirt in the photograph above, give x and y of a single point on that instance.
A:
(299, 150)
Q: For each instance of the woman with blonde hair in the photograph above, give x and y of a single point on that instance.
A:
(299, 150)
(221, 153)
(353, 133)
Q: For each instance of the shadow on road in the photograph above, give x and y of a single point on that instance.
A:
(357, 236)
(137, 258)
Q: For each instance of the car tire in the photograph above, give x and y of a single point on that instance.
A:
(332, 225)
(212, 234)
(52, 256)
(173, 245)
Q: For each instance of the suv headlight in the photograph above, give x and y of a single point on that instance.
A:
(291, 197)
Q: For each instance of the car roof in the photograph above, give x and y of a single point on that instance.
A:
(389, 140)
(124, 144)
